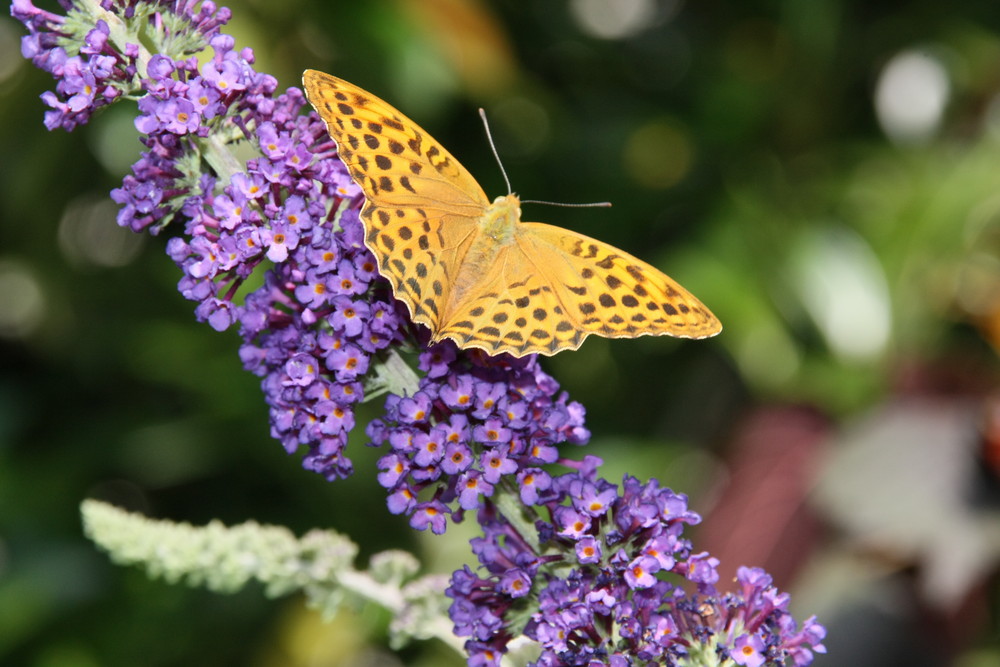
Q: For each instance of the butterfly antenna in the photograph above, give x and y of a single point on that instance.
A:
(595, 204)
(493, 147)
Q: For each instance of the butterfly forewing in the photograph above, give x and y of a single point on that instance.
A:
(421, 204)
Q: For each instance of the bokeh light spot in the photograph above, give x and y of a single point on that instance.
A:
(768, 356)
(22, 301)
(524, 121)
(658, 154)
(757, 51)
(843, 287)
(88, 235)
(911, 95)
(113, 139)
(619, 19)
(10, 49)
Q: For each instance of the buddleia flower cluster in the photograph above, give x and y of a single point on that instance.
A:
(602, 584)
(291, 213)
(474, 425)
(592, 572)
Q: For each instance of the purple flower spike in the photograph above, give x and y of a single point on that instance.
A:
(595, 573)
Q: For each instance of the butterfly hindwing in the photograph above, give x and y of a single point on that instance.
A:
(514, 309)
(608, 292)
(553, 287)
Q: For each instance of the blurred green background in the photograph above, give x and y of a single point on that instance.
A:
(824, 175)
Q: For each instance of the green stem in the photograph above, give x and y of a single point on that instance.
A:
(119, 34)
(219, 157)
(391, 598)
(509, 504)
(393, 375)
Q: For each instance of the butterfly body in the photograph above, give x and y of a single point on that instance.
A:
(471, 270)
(497, 230)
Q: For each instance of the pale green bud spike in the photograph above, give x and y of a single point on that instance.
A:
(320, 564)
(218, 557)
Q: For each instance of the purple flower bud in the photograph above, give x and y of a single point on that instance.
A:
(160, 67)
(301, 370)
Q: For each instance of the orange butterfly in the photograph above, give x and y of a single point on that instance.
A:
(471, 270)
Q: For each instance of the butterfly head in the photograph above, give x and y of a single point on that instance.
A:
(501, 217)
(508, 202)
